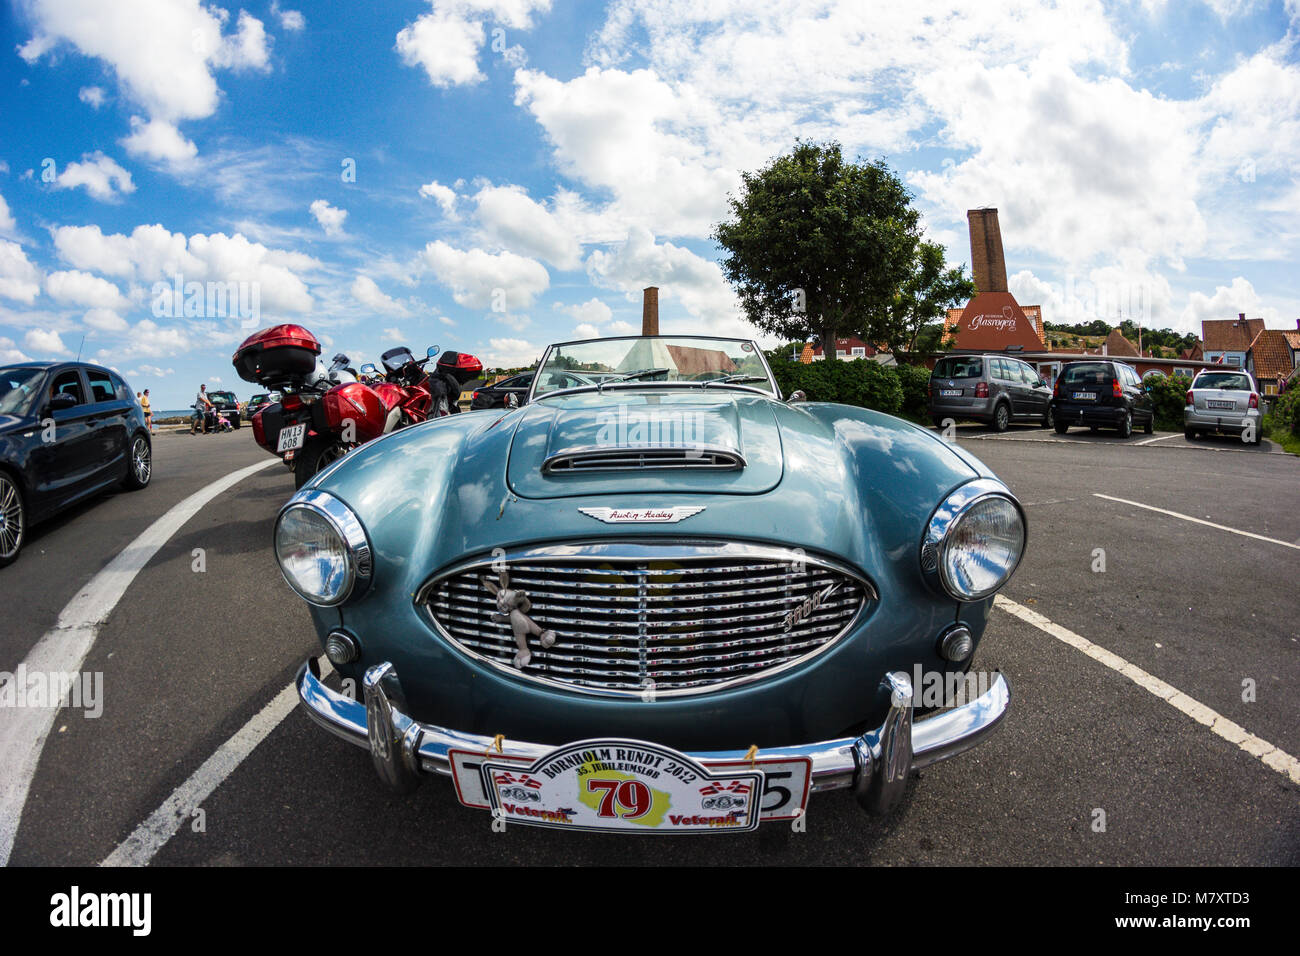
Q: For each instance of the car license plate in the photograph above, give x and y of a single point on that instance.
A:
(291, 437)
(950, 392)
(1085, 396)
(1214, 403)
(631, 786)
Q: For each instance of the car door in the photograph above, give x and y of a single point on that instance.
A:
(1008, 379)
(1031, 397)
(70, 451)
(108, 419)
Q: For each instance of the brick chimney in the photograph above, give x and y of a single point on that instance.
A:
(650, 311)
(986, 258)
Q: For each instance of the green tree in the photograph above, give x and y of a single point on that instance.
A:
(818, 246)
(925, 296)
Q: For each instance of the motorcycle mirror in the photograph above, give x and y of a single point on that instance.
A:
(433, 350)
(369, 369)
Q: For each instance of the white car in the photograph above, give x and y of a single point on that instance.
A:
(1224, 400)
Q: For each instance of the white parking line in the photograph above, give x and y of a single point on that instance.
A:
(1148, 441)
(1271, 756)
(63, 649)
(152, 835)
(1210, 524)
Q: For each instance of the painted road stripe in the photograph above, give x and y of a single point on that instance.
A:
(1257, 747)
(63, 649)
(1148, 441)
(152, 835)
(1210, 524)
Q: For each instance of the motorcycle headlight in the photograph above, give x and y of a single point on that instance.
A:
(322, 549)
(974, 541)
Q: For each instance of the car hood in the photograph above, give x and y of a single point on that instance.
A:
(618, 425)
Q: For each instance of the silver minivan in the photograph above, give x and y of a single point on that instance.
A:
(1224, 400)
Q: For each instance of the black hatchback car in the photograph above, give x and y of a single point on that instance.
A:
(1101, 394)
(225, 403)
(67, 431)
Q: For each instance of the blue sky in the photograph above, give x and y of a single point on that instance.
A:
(523, 168)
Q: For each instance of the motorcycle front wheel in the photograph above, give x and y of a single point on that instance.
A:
(316, 454)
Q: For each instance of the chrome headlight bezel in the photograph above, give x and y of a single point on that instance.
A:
(359, 568)
(939, 534)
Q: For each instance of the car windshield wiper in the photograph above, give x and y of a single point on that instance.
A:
(631, 376)
(737, 379)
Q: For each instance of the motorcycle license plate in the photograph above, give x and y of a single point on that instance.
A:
(1085, 396)
(631, 786)
(292, 438)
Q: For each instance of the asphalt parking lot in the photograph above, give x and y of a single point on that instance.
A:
(1156, 694)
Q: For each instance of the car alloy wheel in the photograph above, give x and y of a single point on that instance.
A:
(1001, 418)
(12, 520)
(139, 464)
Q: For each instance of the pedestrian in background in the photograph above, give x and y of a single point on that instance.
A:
(148, 412)
(202, 406)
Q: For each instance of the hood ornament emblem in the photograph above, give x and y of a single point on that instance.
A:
(512, 608)
(643, 515)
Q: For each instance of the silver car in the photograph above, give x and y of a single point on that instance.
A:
(1223, 401)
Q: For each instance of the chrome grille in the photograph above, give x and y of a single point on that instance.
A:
(635, 619)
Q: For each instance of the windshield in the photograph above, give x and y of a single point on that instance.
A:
(18, 390)
(653, 361)
(1228, 381)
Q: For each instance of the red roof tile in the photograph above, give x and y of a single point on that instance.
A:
(1271, 354)
(1230, 335)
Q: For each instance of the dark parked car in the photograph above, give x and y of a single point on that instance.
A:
(994, 389)
(226, 404)
(67, 431)
(256, 404)
(1102, 394)
(494, 396)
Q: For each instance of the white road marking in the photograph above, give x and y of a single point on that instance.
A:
(64, 647)
(152, 835)
(1271, 756)
(1210, 524)
(1148, 441)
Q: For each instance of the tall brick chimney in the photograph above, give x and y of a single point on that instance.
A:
(986, 258)
(650, 311)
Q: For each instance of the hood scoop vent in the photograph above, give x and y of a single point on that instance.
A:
(635, 458)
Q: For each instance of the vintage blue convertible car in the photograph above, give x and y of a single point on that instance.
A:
(667, 601)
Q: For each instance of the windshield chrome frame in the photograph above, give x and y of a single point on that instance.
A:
(775, 392)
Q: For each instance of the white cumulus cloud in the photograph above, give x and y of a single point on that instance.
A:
(330, 217)
(481, 280)
(102, 177)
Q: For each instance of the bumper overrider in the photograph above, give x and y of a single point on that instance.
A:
(875, 766)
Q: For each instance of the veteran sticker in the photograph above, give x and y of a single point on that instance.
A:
(613, 785)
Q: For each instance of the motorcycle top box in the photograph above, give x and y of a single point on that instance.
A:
(461, 365)
(280, 355)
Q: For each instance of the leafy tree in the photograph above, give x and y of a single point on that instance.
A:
(818, 246)
(925, 296)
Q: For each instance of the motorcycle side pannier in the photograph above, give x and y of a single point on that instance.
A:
(280, 355)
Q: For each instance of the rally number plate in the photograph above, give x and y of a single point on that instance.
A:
(292, 437)
(631, 786)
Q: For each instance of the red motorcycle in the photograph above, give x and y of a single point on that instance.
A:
(325, 412)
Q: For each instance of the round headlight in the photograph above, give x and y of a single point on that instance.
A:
(321, 548)
(976, 539)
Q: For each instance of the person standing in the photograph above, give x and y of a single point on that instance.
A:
(202, 405)
(148, 411)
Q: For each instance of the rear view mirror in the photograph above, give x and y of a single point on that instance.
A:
(62, 400)
(512, 400)
(433, 350)
(369, 369)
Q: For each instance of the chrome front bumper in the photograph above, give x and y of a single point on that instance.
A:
(875, 766)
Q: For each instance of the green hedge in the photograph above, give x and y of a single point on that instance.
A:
(1169, 397)
(1286, 411)
(860, 382)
